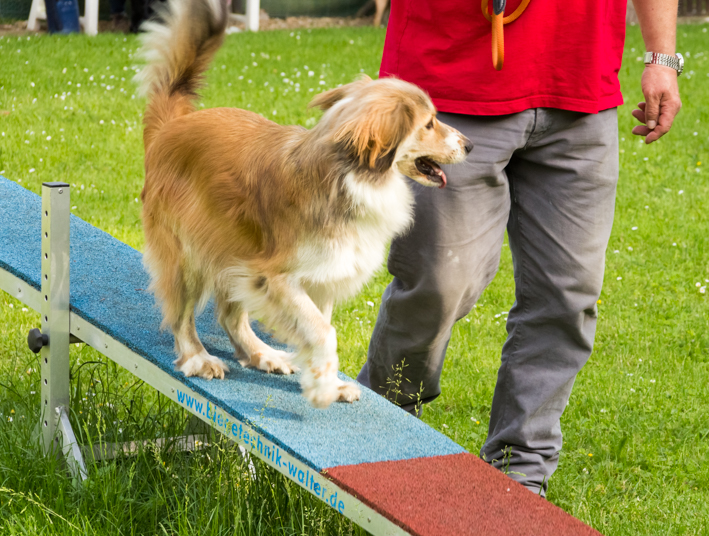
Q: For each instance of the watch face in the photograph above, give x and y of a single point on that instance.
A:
(681, 63)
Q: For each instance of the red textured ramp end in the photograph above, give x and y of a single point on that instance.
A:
(452, 495)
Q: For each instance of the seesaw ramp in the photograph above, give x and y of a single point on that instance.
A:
(371, 461)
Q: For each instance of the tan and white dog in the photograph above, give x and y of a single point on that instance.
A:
(275, 221)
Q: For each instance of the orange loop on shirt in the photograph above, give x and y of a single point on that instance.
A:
(498, 41)
(498, 35)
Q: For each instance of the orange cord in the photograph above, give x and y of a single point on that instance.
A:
(498, 35)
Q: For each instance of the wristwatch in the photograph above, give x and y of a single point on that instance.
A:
(676, 61)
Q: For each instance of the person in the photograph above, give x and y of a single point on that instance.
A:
(140, 11)
(545, 168)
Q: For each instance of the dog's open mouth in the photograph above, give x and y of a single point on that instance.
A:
(432, 170)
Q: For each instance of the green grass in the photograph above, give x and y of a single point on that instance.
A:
(639, 407)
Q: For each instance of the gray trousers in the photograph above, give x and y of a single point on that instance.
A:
(549, 177)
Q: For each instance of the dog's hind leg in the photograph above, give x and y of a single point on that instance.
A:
(178, 304)
(250, 350)
(178, 287)
(193, 359)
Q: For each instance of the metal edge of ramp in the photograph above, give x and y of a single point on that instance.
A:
(255, 444)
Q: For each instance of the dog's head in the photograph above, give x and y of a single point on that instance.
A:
(386, 123)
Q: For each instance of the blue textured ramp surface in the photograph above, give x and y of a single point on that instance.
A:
(108, 289)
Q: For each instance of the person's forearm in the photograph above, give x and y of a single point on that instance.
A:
(658, 23)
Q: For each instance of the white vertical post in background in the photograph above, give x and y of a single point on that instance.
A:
(90, 18)
(253, 11)
(37, 11)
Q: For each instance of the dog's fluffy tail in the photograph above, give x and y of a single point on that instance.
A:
(178, 47)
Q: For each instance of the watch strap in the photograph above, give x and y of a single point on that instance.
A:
(667, 60)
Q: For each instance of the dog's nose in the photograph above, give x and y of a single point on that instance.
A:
(467, 145)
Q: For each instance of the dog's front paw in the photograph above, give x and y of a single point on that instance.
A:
(321, 396)
(271, 360)
(348, 392)
(203, 365)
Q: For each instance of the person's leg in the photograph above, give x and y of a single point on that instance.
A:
(442, 265)
(119, 22)
(118, 7)
(563, 193)
(139, 12)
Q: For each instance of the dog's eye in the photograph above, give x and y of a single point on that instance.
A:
(429, 126)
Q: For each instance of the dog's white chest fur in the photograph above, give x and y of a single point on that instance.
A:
(342, 264)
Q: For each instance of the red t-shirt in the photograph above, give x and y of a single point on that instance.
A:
(558, 54)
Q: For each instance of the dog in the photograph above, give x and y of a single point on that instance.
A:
(277, 222)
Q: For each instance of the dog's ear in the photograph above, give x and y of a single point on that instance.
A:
(327, 99)
(373, 137)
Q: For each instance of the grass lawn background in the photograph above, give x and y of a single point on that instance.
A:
(636, 431)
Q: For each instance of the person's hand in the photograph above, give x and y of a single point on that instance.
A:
(662, 103)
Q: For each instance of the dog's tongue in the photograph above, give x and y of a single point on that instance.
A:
(442, 175)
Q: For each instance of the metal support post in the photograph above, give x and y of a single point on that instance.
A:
(70, 447)
(57, 434)
(54, 307)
